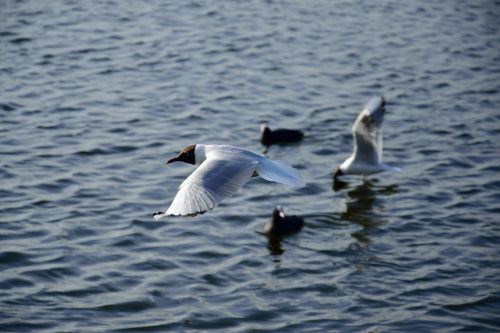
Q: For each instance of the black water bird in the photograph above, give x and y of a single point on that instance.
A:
(281, 224)
(269, 137)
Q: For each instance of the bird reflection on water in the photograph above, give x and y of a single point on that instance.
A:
(274, 245)
(360, 203)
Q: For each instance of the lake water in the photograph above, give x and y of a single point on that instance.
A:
(97, 95)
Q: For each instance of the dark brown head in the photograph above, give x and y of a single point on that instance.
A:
(337, 173)
(186, 155)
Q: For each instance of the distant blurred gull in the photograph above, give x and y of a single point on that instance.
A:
(366, 158)
(222, 171)
(281, 135)
(282, 224)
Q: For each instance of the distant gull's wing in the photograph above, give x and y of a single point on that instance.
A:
(367, 132)
(214, 180)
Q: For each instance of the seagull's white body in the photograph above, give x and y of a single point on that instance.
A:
(221, 171)
(366, 158)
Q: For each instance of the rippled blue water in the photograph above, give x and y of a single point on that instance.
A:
(96, 95)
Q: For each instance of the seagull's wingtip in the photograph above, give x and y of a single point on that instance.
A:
(297, 183)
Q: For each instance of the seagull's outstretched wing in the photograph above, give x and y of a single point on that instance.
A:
(367, 132)
(214, 180)
(275, 171)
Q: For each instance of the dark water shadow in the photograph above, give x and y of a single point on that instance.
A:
(360, 204)
(339, 185)
(274, 245)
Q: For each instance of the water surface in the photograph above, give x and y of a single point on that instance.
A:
(95, 96)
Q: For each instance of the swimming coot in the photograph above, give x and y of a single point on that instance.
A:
(282, 224)
(281, 135)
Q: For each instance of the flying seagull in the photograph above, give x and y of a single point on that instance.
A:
(222, 170)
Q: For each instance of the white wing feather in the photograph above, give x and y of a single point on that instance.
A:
(279, 172)
(367, 132)
(214, 180)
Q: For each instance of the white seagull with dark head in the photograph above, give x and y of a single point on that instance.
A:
(366, 158)
(221, 171)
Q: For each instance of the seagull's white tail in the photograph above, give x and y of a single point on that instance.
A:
(279, 172)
